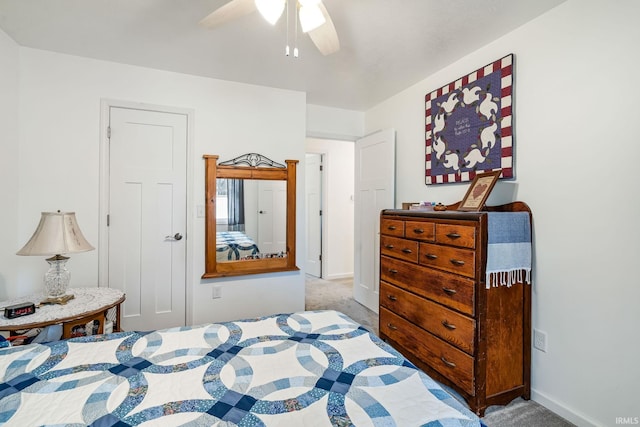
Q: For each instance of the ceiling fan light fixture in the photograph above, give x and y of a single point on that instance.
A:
(271, 10)
(309, 2)
(311, 17)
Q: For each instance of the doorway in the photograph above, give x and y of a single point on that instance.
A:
(336, 224)
(144, 213)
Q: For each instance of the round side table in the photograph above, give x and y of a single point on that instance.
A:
(90, 309)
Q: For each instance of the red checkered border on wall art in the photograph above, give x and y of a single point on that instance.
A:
(468, 125)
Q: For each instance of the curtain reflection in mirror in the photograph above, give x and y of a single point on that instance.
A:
(235, 204)
(230, 204)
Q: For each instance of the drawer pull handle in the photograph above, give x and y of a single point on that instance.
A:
(457, 262)
(392, 298)
(407, 250)
(393, 271)
(446, 362)
(448, 325)
(418, 230)
(389, 246)
(431, 256)
(391, 227)
(449, 291)
(453, 235)
(392, 327)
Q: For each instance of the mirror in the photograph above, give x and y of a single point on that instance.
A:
(250, 216)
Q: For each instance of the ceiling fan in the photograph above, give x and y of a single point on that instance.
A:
(313, 16)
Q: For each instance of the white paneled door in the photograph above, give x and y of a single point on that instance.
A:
(147, 215)
(272, 216)
(374, 191)
(313, 196)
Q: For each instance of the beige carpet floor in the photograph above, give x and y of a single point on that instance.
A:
(338, 295)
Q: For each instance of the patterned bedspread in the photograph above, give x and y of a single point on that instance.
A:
(303, 369)
(233, 245)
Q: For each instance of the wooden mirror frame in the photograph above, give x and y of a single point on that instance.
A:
(253, 170)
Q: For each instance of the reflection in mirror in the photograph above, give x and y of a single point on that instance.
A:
(250, 216)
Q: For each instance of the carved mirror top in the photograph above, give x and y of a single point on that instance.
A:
(254, 160)
(230, 252)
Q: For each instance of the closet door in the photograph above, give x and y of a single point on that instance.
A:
(147, 216)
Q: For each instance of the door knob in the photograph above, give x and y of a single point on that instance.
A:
(176, 236)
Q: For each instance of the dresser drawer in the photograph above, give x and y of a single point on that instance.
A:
(455, 260)
(463, 236)
(392, 227)
(447, 324)
(420, 230)
(399, 248)
(454, 364)
(454, 291)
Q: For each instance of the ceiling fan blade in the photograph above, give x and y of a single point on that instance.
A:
(325, 36)
(228, 12)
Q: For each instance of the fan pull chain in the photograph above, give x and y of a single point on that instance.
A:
(286, 49)
(295, 40)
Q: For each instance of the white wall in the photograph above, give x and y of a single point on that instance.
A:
(9, 155)
(334, 123)
(59, 119)
(576, 106)
(337, 209)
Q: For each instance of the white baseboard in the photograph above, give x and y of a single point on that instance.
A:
(338, 276)
(563, 410)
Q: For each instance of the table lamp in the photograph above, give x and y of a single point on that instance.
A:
(57, 233)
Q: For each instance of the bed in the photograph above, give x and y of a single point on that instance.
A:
(234, 245)
(312, 368)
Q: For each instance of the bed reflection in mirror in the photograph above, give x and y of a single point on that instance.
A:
(251, 219)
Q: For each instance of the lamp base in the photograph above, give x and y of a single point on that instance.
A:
(56, 279)
(62, 300)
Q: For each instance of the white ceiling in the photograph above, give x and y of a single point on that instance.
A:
(386, 45)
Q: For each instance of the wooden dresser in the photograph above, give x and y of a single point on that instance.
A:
(436, 310)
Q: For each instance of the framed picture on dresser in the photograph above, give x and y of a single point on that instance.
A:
(478, 191)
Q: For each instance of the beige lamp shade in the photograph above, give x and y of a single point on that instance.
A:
(57, 233)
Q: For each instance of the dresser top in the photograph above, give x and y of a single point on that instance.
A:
(452, 213)
(422, 213)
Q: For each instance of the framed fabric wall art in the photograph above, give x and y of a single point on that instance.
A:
(468, 125)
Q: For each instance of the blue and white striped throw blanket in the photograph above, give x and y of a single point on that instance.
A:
(509, 249)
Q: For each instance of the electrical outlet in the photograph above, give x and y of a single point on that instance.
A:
(540, 340)
(217, 292)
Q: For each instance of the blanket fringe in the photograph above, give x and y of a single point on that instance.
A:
(508, 278)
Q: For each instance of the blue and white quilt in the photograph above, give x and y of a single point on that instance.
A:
(303, 369)
(234, 245)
